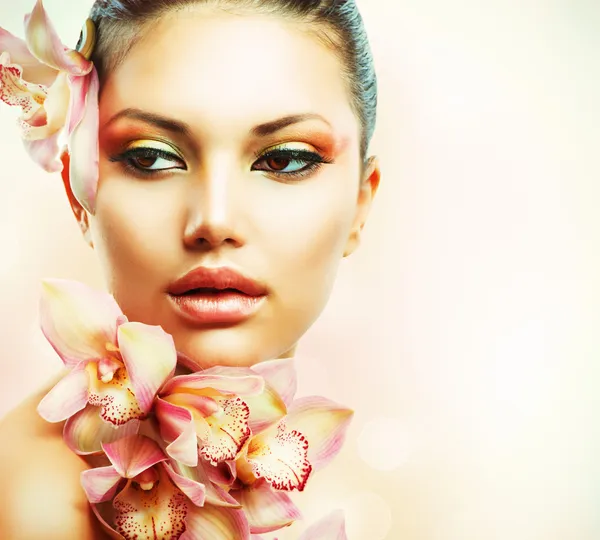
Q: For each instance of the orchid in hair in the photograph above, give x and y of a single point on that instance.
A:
(57, 90)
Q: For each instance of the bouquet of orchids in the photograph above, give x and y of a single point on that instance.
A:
(211, 455)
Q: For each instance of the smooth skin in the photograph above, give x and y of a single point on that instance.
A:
(213, 200)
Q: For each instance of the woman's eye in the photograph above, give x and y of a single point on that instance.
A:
(290, 162)
(149, 160)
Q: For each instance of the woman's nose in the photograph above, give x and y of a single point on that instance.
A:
(212, 214)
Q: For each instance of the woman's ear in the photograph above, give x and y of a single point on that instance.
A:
(368, 188)
(78, 211)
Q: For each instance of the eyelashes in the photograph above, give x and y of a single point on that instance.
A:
(148, 162)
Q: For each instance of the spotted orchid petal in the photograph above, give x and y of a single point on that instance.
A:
(178, 430)
(281, 376)
(280, 456)
(330, 527)
(267, 510)
(216, 523)
(144, 513)
(79, 322)
(45, 45)
(323, 423)
(246, 385)
(85, 431)
(224, 433)
(266, 405)
(131, 456)
(100, 484)
(114, 395)
(67, 397)
(16, 91)
(150, 357)
(33, 70)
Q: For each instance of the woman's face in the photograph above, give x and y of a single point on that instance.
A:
(194, 129)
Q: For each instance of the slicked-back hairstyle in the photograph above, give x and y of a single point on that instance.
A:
(337, 23)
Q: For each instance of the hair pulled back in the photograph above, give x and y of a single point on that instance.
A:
(337, 23)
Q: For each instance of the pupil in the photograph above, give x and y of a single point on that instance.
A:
(146, 161)
(278, 163)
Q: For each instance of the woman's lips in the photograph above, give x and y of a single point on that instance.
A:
(216, 296)
(217, 306)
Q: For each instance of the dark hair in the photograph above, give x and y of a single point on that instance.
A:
(120, 23)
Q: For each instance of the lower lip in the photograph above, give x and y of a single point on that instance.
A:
(226, 307)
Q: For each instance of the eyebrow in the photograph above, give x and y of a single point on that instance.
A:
(181, 128)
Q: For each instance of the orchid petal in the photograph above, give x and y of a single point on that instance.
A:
(323, 423)
(15, 91)
(44, 43)
(266, 406)
(177, 429)
(280, 457)
(216, 523)
(249, 384)
(56, 106)
(223, 473)
(266, 409)
(204, 405)
(228, 431)
(150, 357)
(85, 431)
(34, 71)
(141, 513)
(132, 455)
(79, 89)
(281, 376)
(45, 152)
(195, 491)
(267, 510)
(77, 320)
(329, 528)
(115, 396)
(100, 484)
(83, 145)
(114, 535)
(214, 494)
(68, 396)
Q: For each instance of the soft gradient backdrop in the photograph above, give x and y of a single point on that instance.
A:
(465, 330)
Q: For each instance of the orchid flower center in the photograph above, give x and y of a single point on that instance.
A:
(147, 479)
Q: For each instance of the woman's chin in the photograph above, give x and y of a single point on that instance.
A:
(202, 349)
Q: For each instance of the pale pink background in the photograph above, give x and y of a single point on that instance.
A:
(465, 330)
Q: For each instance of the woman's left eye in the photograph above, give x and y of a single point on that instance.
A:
(290, 162)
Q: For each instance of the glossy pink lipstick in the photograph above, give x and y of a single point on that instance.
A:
(216, 296)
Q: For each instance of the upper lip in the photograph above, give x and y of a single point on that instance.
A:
(221, 278)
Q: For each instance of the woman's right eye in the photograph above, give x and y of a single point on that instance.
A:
(148, 161)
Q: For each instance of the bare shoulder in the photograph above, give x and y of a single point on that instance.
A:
(41, 495)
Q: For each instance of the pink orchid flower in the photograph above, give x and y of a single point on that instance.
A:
(284, 448)
(116, 367)
(56, 88)
(331, 527)
(154, 501)
(211, 414)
